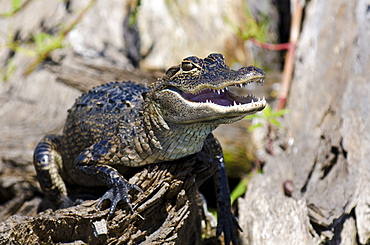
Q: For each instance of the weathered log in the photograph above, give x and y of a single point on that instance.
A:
(328, 123)
(169, 211)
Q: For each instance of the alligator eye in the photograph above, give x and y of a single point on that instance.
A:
(187, 66)
(172, 71)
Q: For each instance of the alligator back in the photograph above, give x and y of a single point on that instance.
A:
(101, 113)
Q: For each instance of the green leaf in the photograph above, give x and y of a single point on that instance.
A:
(281, 112)
(267, 112)
(7, 71)
(251, 28)
(276, 123)
(253, 127)
(16, 4)
(239, 190)
(46, 43)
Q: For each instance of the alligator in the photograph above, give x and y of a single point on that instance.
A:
(130, 124)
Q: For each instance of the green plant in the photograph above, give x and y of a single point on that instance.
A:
(251, 28)
(133, 14)
(40, 45)
(241, 187)
(268, 116)
(7, 71)
(16, 5)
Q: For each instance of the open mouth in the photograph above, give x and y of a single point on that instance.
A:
(223, 96)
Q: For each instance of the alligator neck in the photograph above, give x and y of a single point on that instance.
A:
(174, 140)
(181, 140)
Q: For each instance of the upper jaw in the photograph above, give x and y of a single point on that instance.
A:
(219, 79)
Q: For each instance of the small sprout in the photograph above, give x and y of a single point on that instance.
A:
(241, 188)
(251, 29)
(42, 44)
(7, 71)
(16, 5)
(269, 116)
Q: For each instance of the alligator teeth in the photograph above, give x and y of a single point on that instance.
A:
(219, 92)
(241, 85)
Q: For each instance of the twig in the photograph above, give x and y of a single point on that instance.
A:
(14, 11)
(270, 46)
(289, 58)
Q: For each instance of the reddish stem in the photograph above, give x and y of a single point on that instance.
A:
(289, 58)
(270, 46)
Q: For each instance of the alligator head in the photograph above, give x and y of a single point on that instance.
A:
(197, 90)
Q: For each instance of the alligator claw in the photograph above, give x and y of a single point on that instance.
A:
(117, 193)
(227, 223)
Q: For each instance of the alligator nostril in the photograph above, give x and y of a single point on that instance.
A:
(251, 71)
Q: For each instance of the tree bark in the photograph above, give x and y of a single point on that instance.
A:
(167, 212)
(328, 125)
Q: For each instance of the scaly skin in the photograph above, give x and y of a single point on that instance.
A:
(133, 125)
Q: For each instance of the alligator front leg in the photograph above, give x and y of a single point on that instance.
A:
(48, 164)
(227, 223)
(92, 162)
